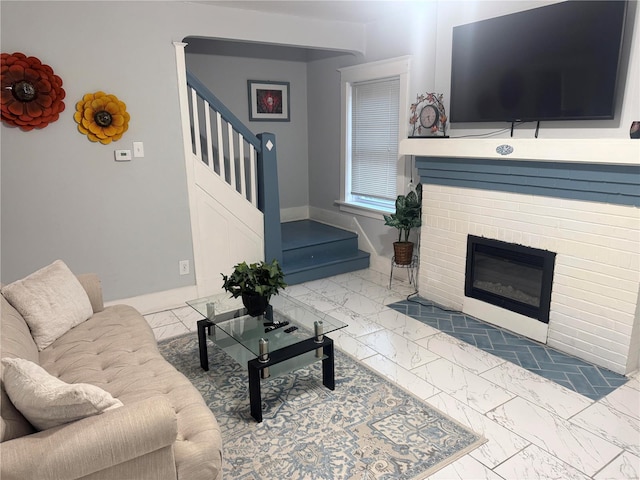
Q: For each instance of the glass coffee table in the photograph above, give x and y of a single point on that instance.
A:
(290, 335)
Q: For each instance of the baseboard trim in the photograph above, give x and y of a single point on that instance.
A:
(294, 213)
(159, 301)
(175, 298)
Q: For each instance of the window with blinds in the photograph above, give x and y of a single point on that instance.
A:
(374, 139)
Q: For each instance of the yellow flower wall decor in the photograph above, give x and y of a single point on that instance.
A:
(102, 117)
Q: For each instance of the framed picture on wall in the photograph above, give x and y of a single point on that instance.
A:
(268, 101)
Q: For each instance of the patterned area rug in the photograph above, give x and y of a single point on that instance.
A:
(367, 428)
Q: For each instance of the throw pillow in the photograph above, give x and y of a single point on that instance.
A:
(51, 300)
(47, 401)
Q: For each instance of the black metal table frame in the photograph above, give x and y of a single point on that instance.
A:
(257, 365)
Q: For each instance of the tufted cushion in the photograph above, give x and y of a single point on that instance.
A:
(51, 300)
(117, 351)
(47, 401)
(16, 341)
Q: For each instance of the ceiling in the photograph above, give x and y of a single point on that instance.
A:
(354, 11)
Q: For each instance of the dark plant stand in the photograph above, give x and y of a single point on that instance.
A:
(412, 270)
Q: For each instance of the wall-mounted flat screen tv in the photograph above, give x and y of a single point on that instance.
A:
(557, 62)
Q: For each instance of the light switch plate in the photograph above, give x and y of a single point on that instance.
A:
(138, 149)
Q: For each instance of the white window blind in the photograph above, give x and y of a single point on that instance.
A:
(374, 141)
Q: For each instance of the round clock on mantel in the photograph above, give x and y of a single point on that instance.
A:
(429, 116)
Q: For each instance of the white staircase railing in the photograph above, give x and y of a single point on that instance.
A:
(232, 184)
(222, 143)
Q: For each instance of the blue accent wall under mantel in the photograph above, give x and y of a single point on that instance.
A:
(606, 183)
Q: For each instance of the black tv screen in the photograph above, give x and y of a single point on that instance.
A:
(557, 62)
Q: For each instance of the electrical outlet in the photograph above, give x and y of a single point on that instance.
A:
(184, 267)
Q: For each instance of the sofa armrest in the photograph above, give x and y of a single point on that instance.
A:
(92, 444)
(91, 283)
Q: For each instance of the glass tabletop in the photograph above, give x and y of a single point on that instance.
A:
(229, 316)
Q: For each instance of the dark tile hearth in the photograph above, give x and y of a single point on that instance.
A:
(585, 378)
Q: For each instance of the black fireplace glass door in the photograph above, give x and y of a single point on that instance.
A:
(510, 276)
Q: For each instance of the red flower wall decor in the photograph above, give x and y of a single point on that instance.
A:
(31, 93)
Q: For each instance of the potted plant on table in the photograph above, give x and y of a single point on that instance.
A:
(408, 215)
(256, 283)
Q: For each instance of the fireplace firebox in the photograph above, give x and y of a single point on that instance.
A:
(510, 276)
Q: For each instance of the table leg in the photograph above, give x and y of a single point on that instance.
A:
(203, 325)
(256, 367)
(328, 366)
(255, 399)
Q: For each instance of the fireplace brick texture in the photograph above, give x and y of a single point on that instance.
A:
(594, 304)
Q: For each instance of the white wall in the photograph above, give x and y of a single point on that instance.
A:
(426, 36)
(64, 197)
(451, 14)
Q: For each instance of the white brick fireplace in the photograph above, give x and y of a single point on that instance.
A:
(594, 311)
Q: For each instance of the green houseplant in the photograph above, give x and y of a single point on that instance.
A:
(408, 216)
(256, 283)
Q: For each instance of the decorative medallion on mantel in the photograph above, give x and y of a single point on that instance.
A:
(504, 149)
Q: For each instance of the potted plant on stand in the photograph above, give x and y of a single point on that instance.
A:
(408, 215)
(256, 283)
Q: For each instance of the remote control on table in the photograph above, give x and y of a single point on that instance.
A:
(291, 329)
(273, 327)
(275, 324)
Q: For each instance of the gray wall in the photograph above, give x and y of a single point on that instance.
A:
(65, 197)
(325, 125)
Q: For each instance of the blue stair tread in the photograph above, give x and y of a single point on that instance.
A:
(312, 250)
(303, 233)
(326, 269)
(311, 263)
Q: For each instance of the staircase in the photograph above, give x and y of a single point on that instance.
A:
(313, 250)
(234, 201)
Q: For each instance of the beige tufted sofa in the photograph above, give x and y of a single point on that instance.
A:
(163, 431)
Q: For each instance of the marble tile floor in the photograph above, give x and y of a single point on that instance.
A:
(536, 428)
